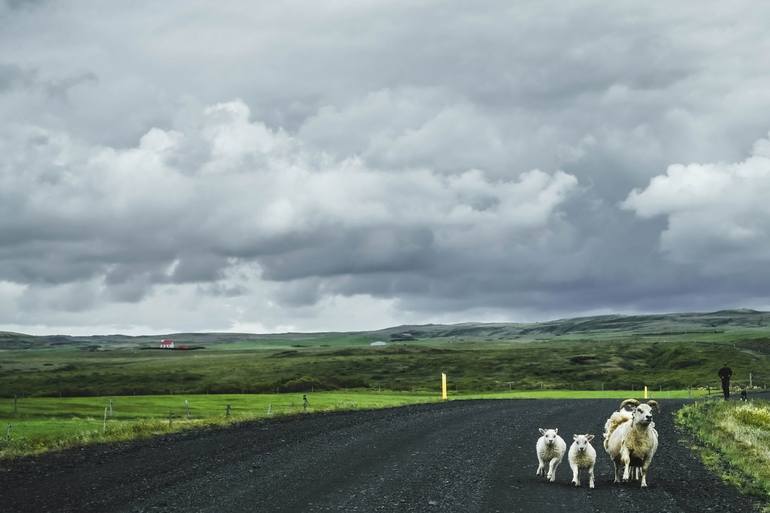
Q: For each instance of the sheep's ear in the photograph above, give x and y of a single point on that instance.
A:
(542, 431)
(574, 437)
(590, 437)
(654, 405)
(556, 430)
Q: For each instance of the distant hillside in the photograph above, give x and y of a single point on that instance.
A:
(581, 327)
(590, 353)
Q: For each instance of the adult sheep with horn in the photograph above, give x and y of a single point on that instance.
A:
(631, 440)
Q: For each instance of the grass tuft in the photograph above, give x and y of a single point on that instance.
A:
(733, 440)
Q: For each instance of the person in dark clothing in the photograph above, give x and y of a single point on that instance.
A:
(725, 373)
(744, 394)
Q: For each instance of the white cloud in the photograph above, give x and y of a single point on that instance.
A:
(375, 156)
(718, 214)
(191, 204)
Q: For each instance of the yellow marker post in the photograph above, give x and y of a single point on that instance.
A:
(443, 386)
(645, 391)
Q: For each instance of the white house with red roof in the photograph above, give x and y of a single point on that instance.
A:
(167, 343)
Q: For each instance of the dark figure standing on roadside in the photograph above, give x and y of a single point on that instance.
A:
(725, 373)
(744, 394)
(305, 403)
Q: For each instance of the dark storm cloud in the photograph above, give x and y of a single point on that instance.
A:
(387, 161)
(12, 76)
(371, 250)
(59, 88)
(21, 4)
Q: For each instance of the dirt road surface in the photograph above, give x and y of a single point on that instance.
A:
(461, 456)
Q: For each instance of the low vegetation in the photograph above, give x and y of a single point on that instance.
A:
(733, 439)
(473, 366)
(41, 424)
(608, 352)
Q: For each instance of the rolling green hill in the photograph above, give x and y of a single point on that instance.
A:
(720, 322)
(611, 351)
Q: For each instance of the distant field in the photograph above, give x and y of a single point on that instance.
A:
(42, 424)
(665, 352)
(622, 362)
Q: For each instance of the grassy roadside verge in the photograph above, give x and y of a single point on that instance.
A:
(733, 439)
(41, 424)
(583, 394)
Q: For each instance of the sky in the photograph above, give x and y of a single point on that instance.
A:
(349, 165)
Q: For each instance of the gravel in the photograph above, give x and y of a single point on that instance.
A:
(460, 456)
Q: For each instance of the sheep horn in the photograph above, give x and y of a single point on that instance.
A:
(654, 405)
(628, 402)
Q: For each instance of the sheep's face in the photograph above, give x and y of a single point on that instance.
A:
(549, 435)
(582, 441)
(643, 414)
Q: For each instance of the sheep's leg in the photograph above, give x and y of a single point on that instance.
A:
(645, 466)
(575, 476)
(540, 466)
(591, 476)
(552, 470)
(625, 459)
(617, 471)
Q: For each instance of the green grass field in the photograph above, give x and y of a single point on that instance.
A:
(733, 440)
(671, 351)
(45, 423)
(41, 424)
(64, 383)
(620, 363)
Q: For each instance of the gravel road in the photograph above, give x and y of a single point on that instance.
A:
(461, 456)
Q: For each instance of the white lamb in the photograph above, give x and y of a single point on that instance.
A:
(633, 443)
(550, 450)
(582, 455)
